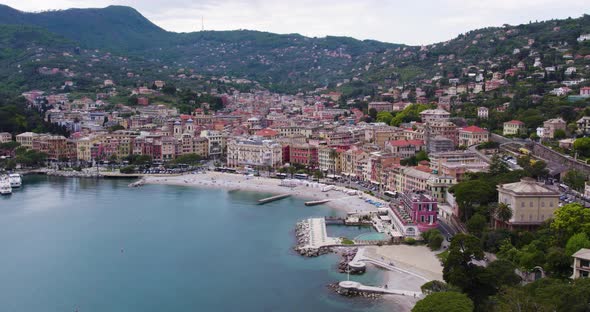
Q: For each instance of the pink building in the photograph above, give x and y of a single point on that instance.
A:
(304, 154)
(417, 211)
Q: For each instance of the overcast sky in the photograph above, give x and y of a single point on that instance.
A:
(408, 21)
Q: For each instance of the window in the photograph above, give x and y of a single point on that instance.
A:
(522, 204)
(542, 204)
(584, 263)
(550, 204)
(530, 204)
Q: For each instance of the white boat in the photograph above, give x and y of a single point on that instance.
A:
(5, 188)
(15, 180)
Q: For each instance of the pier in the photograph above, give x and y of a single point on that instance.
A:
(272, 198)
(346, 286)
(316, 202)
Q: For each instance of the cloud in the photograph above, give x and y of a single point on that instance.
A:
(410, 22)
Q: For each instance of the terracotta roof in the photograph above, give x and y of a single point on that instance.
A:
(473, 129)
(406, 142)
(515, 122)
(266, 133)
(423, 168)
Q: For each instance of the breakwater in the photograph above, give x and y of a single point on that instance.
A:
(272, 198)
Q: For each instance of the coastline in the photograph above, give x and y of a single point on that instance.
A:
(228, 181)
(417, 264)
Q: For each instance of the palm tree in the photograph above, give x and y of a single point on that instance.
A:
(503, 212)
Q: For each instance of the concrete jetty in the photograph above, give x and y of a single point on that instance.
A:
(316, 202)
(347, 286)
(272, 198)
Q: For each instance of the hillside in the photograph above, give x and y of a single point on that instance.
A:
(290, 63)
(115, 28)
(280, 60)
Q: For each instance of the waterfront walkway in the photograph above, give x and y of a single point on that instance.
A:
(381, 290)
(318, 236)
(363, 256)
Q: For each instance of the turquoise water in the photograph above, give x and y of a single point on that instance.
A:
(87, 245)
(372, 236)
(349, 232)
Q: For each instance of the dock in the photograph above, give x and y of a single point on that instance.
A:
(272, 198)
(316, 202)
(346, 286)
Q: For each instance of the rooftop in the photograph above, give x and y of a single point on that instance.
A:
(527, 186)
(473, 129)
(583, 253)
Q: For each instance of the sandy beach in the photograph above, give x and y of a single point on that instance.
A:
(307, 190)
(419, 260)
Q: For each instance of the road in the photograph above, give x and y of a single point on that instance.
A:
(446, 229)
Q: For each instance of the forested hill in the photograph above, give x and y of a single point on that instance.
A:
(293, 62)
(269, 58)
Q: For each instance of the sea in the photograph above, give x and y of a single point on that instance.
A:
(87, 245)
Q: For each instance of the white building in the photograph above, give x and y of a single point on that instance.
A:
(254, 152)
(5, 137)
(482, 112)
(216, 142)
(434, 115)
(581, 263)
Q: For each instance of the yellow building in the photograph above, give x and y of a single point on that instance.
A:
(514, 127)
(531, 203)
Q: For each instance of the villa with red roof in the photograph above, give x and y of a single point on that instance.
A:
(404, 148)
(267, 133)
(473, 135)
(514, 127)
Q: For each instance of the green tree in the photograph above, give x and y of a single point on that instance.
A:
(169, 89)
(476, 224)
(459, 269)
(582, 146)
(576, 242)
(436, 286)
(557, 263)
(188, 159)
(444, 302)
(575, 179)
(433, 238)
(384, 117)
(559, 134)
(373, 114)
(503, 212)
(127, 170)
(472, 193)
(571, 219)
(497, 166)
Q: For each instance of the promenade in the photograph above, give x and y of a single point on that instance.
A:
(318, 236)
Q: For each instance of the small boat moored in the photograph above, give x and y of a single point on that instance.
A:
(15, 180)
(5, 188)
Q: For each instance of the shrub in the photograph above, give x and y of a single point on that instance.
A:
(410, 241)
(128, 169)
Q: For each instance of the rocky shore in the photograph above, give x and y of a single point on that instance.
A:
(353, 293)
(347, 255)
(302, 238)
(74, 174)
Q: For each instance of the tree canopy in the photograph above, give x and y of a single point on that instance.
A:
(444, 302)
